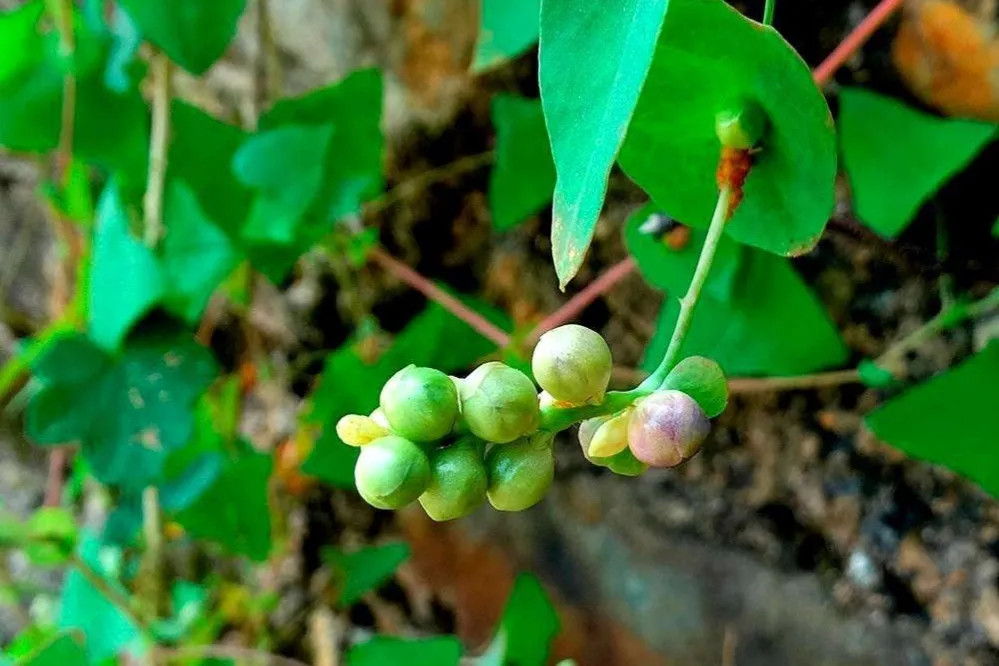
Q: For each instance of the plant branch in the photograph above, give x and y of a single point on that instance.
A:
(768, 12)
(239, 655)
(856, 39)
(689, 301)
(159, 70)
(422, 181)
(480, 324)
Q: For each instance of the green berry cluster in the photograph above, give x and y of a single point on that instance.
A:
(453, 443)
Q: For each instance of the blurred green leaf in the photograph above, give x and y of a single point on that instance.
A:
(107, 629)
(19, 33)
(285, 167)
(950, 420)
(188, 600)
(773, 324)
(382, 651)
(365, 569)
(196, 255)
(129, 410)
(194, 33)
(896, 157)
(527, 627)
(522, 181)
(63, 650)
(507, 28)
(671, 269)
(709, 58)
(594, 58)
(126, 280)
(234, 511)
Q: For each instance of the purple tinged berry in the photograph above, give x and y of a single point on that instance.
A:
(667, 428)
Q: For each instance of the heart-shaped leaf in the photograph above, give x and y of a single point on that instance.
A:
(524, 177)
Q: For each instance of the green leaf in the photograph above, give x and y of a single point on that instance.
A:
(19, 29)
(671, 270)
(125, 276)
(703, 380)
(896, 157)
(194, 33)
(129, 411)
(349, 385)
(84, 608)
(594, 58)
(950, 420)
(196, 254)
(63, 650)
(364, 570)
(875, 376)
(710, 58)
(507, 28)
(522, 181)
(234, 512)
(382, 650)
(285, 167)
(526, 630)
(773, 325)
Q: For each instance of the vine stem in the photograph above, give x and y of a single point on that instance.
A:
(768, 12)
(689, 300)
(160, 70)
(857, 38)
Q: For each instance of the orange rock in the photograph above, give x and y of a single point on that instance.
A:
(949, 57)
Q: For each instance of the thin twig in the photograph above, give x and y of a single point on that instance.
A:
(855, 40)
(240, 655)
(56, 476)
(117, 598)
(159, 71)
(480, 324)
(416, 184)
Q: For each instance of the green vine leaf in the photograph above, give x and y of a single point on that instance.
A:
(594, 58)
(194, 33)
(950, 420)
(710, 58)
(521, 184)
(527, 627)
(507, 28)
(61, 650)
(128, 410)
(772, 325)
(896, 157)
(363, 570)
(382, 650)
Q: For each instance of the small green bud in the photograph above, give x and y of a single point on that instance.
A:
(458, 481)
(520, 473)
(624, 464)
(667, 428)
(573, 364)
(421, 404)
(357, 430)
(741, 127)
(498, 403)
(611, 437)
(587, 429)
(378, 416)
(391, 472)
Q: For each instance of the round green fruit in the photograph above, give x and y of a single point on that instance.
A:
(391, 472)
(498, 403)
(741, 127)
(573, 364)
(667, 428)
(520, 473)
(458, 481)
(420, 404)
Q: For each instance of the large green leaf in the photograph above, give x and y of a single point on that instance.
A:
(710, 58)
(129, 410)
(772, 324)
(365, 569)
(522, 181)
(527, 628)
(64, 649)
(950, 420)
(383, 650)
(125, 277)
(350, 385)
(196, 254)
(896, 156)
(194, 33)
(234, 511)
(594, 58)
(507, 28)
(671, 269)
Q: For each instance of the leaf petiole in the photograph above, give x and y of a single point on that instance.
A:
(768, 12)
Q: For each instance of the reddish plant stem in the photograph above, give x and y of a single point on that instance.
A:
(857, 38)
(56, 476)
(479, 323)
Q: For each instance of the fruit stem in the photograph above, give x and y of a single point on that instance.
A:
(689, 301)
(768, 12)
(556, 419)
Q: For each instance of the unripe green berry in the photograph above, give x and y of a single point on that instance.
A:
(420, 404)
(623, 462)
(573, 364)
(391, 472)
(520, 473)
(458, 481)
(667, 428)
(498, 403)
(741, 127)
(357, 430)
(611, 437)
